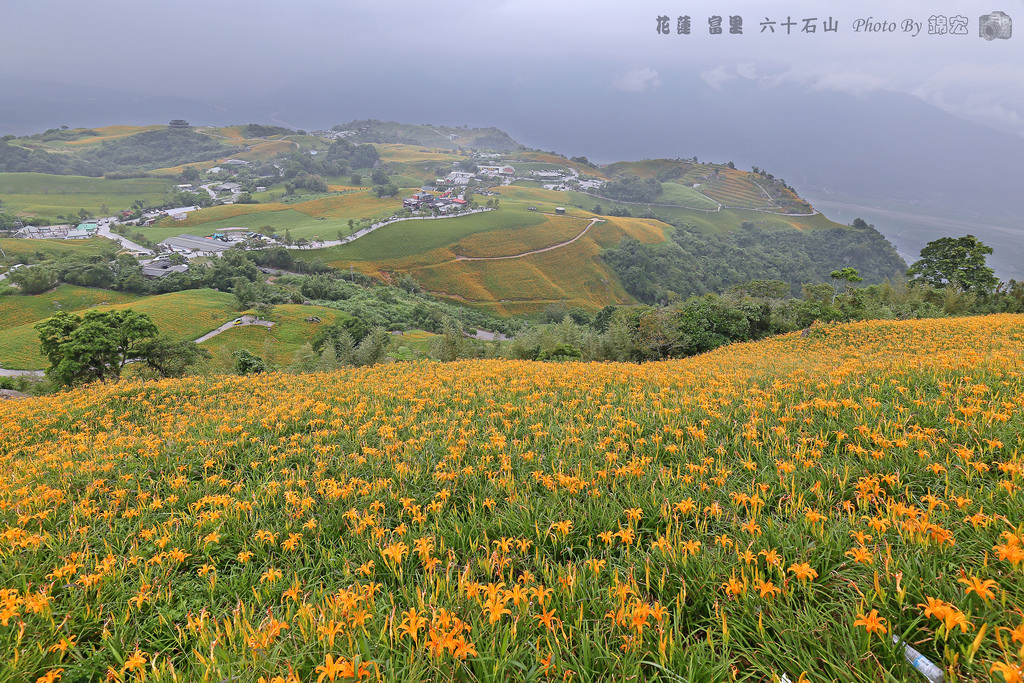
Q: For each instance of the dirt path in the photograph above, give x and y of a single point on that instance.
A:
(535, 251)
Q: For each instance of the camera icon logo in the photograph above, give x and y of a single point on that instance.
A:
(995, 25)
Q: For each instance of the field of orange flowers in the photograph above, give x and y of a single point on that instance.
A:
(782, 508)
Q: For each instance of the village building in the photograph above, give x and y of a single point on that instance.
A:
(194, 245)
(500, 171)
(417, 200)
(174, 213)
(459, 178)
(161, 268)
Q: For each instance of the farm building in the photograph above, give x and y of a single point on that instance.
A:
(161, 268)
(199, 246)
(504, 171)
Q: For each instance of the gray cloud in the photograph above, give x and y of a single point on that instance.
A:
(990, 93)
(222, 50)
(719, 76)
(832, 77)
(637, 80)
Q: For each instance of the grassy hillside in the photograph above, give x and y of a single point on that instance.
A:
(707, 198)
(775, 508)
(181, 315)
(277, 344)
(31, 251)
(430, 251)
(322, 216)
(440, 137)
(18, 310)
(40, 194)
(157, 148)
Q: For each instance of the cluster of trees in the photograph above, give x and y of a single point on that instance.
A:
(155, 149)
(17, 159)
(63, 134)
(8, 221)
(258, 130)
(400, 307)
(341, 158)
(645, 333)
(306, 181)
(695, 262)
(122, 272)
(956, 261)
(747, 312)
(99, 345)
(632, 189)
(370, 130)
(383, 187)
(177, 197)
(142, 151)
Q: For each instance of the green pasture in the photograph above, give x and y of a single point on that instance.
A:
(180, 315)
(710, 221)
(21, 250)
(300, 225)
(412, 237)
(18, 309)
(276, 344)
(41, 194)
(687, 197)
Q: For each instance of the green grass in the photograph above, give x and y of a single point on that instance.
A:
(40, 194)
(409, 238)
(18, 310)
(404, 181)
(713, 221)
(687, 197)
(300, 224)
(277, 344)
(180, 315)
(33, 251)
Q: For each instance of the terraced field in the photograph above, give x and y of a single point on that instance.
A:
(574, 274)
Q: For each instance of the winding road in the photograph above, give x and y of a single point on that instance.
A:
(535, 251)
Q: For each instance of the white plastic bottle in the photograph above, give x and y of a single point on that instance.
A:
(925, 666)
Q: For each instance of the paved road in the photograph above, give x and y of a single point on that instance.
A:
(320, 244)
(105, 231)
(245, 320)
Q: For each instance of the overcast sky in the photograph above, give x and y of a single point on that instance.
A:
(223, 50)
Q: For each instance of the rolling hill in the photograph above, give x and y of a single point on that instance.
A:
(785, 506)
(518, 258)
